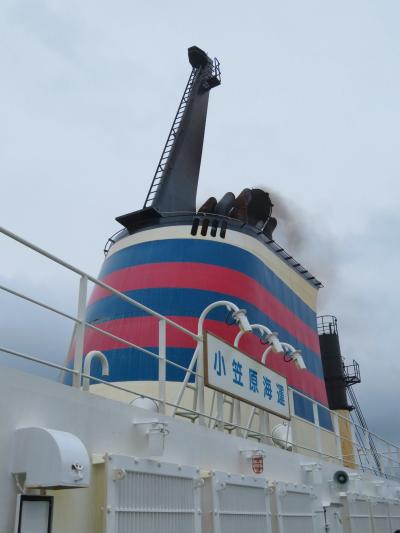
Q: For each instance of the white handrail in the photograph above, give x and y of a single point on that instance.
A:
(105, 367)
(197, 413)
(96, 281)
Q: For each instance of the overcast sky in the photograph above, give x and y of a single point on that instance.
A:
(308, 108)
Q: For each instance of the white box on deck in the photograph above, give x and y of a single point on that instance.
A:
(50, 458)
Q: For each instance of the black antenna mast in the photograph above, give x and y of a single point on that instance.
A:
(174, 184)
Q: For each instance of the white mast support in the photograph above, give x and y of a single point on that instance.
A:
(264, 425)
(80, 331)
(162, 364)
(198, 355)
(294, 427)
(220, 411)
(263, 415)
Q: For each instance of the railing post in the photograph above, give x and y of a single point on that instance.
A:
(398, 463)
(337, 435)
(220, 411)
(367, 445)
(390, 460)
(80, 332)
(292, 422)
(237, 417)
(200, 382)
(162, 365)
(264, 425)
(317, 427)
(356, 449)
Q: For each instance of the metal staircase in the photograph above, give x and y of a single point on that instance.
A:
(174, 131)
(364, 437)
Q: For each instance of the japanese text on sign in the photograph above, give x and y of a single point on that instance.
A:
(232, 372)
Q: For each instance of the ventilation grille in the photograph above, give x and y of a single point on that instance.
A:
(294, 508)
(148, 497)
(240, 504)
(358, 510)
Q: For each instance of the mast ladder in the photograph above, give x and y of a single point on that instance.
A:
(162, 164)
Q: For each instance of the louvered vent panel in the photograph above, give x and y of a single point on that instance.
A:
(151, 497)
(359, 514)
(294, 508)
(380, 517)
(240, 504)
(141, 491)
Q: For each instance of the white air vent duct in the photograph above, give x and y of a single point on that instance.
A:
(50, 458)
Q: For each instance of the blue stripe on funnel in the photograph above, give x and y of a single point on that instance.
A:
(214, 253)
(191, 302)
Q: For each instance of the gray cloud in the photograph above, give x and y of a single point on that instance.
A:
(365, 299)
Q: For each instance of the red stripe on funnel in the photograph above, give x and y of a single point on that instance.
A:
(143, 332)
(211, 278)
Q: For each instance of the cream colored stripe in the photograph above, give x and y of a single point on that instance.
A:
(290, 277)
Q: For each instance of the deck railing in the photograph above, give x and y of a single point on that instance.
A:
(384, 462)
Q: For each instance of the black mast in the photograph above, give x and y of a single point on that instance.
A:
(174, 185)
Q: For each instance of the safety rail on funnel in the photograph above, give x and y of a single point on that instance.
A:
(365, 451)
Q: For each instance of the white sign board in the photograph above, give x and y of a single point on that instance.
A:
(232, 372)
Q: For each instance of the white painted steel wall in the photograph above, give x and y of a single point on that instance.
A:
(106, 426)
